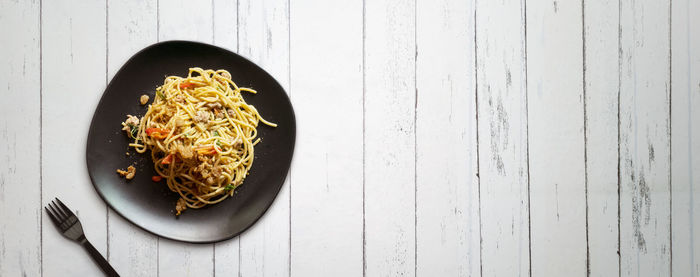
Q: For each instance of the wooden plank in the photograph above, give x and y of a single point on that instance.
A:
(20, 142)
(73, 71)
(502, 107)
(131, 26)
(447, 199)
(225, 24)
(264, 39)
(225, 34)
(227, 258)
(644, 138)
(601, 75)
(188, 20)
(390, 95)
(326, 85)
(685, 138)
(556, 138)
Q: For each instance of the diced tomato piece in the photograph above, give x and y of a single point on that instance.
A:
(209, 150)
(159, 130)
(168, 159)
(157, 133)
(186, 85)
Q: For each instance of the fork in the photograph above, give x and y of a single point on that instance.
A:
(69, 225)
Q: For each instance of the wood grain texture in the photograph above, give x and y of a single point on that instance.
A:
(556, 138)
(644, 139)
(447, 206)
(502, 108)
(73, 79)
(685, 138)
(436, 138)
(326, 174)
(20, 188)
(389, 152)
(226, 24)
(227, 258)
(227, 253)
(131, 26)
(264, 39)
(601, 77)
(184, 259)
(188, 20)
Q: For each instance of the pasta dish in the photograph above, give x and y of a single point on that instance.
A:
(201, 135)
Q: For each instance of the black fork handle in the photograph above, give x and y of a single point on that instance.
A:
(99, 259)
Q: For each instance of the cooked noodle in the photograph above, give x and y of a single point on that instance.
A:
(201, 134)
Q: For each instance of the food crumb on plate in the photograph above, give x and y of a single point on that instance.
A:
(180, 206)
(129, 173)
(144, 99)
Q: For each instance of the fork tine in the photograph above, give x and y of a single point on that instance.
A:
(60, 210)
(59, 216)
(69, 213)
(52, 216)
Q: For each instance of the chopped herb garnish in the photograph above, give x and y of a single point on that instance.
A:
(215, 134)
(218, 143)
(133, 131)
(229, 187)
(160, 94)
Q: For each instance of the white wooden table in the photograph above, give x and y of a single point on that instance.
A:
(435, 138)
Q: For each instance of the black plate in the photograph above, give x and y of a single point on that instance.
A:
(151, 205)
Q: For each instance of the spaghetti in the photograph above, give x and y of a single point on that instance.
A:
(201, 134)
